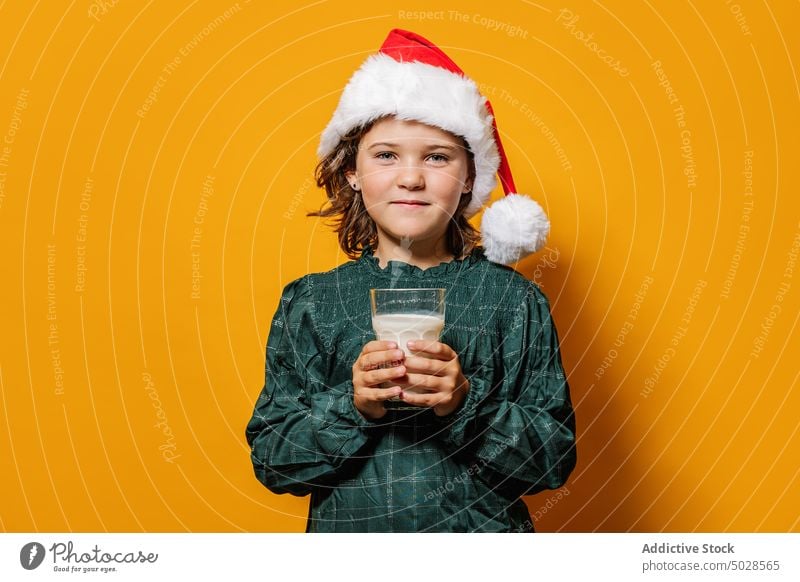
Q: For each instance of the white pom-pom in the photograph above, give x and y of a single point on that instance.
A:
(513, 228)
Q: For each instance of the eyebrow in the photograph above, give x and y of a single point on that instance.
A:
(430, 147)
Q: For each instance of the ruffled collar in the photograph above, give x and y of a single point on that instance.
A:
(395, 268)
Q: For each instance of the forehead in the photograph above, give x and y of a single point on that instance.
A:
(409, 133)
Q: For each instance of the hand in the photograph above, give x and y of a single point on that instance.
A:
(436, 376)
(379, 362)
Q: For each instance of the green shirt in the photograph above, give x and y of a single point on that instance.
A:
(412, 471)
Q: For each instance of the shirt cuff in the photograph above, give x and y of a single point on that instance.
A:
(457, 425)
(338, 426)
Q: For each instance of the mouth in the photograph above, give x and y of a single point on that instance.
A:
(411, 203)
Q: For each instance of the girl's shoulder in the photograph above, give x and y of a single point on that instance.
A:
(307, 285)
(509, 281)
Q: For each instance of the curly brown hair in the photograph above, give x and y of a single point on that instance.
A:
(353, 225)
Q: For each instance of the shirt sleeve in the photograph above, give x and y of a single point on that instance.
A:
(518, 424)
(302, 431)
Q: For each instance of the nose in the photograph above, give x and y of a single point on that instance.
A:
(411, 177)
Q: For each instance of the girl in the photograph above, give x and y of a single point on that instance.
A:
(410, 154)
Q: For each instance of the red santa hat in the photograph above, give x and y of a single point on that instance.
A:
(415, 80)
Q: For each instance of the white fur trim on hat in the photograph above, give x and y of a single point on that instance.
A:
(416, 91)
(513, 228)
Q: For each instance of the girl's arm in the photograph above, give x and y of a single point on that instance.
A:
(302, 431)
(517, 422)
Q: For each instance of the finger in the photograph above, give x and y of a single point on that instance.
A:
(429, 366)
(435, 349)
(420, 399)
(377, 346)
(381, 394)
(376, 377)
(382, 359)
(420, 383)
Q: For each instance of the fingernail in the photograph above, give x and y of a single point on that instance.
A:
(412, 344)
(392, 345)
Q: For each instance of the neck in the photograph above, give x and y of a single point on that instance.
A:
(422, 254)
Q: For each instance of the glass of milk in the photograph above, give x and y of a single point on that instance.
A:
(400, 315)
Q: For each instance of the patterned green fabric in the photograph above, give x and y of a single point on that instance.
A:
(413, 471)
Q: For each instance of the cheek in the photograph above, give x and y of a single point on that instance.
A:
(374, 200)
(375, 180)
(448, 187)
(450, 179)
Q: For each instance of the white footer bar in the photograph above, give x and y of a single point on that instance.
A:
(389, 557)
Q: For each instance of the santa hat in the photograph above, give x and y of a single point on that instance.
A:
(415, 80)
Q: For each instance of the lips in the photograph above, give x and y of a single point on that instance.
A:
(411, 203)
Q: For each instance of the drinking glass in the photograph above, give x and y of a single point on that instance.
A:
(400, 315)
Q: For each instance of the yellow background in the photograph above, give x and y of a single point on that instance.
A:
(111, 201)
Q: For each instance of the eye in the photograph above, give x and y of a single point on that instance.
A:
(381, 154)
(439, 157)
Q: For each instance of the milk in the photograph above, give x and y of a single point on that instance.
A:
(402, 327)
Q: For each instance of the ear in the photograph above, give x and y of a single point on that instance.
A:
(468, 185)
(352, 178)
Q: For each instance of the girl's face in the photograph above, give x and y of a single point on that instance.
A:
(411, 176)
